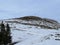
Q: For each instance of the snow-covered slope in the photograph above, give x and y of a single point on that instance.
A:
(31, 35)
(29, 32)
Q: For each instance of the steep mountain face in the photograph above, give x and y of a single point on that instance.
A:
(36, 21)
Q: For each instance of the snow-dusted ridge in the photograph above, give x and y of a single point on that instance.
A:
(30, 32)
(35, 21)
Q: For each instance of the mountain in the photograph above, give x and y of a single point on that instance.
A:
(32, 30)
(36, 21)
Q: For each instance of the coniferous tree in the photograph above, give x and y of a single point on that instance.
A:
(8, 34)
(5, 35)
(2, 32)
(2, 27)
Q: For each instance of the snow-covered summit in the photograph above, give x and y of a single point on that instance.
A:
(36, 21)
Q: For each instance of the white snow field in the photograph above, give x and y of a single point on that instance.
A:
(32, 35)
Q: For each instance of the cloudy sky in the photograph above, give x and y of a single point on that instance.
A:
(19, 8)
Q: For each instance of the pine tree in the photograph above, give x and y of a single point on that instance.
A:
(8, 34)
(5, 35)
(2, 33)
(2, 27)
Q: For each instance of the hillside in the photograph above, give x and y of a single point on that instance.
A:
(34, 32)
(36, 21)
(32, 35)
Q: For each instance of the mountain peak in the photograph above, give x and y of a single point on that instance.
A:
(30, 18)
(36, 21)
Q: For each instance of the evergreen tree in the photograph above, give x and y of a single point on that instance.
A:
(8, 34)
(2, 33)
(2, 27)
(5, 35)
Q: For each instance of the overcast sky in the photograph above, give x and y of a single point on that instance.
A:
(19, 8)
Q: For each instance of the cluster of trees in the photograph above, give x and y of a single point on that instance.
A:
(5, 34)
